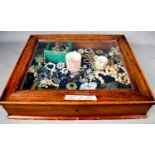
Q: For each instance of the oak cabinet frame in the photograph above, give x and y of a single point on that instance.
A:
(50, 104)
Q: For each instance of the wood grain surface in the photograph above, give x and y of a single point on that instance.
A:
(35, 103)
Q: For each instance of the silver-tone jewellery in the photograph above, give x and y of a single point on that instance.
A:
(64, 71)
(81, 51)
(60, 65)
(88, 86)
(50, 66)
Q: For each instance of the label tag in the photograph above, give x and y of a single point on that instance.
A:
(80, 97)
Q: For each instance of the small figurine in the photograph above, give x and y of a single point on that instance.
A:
(73, 61)
(100, 62)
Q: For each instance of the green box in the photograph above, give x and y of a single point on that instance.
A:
(56, 56)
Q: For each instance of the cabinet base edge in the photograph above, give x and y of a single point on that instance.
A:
(104, 117)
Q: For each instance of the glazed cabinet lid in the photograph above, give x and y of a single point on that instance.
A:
(95, 69)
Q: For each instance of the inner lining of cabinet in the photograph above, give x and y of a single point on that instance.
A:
(100, 66)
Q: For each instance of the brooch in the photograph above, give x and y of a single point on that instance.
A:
(64, 71)
(91, 77)
(50, 66)
(59, 46)
(71, 86)
(88, 86)
(99, 52)
(86, 61)
(81, 51)
(83, 80)
(84, 66)
(45, 83)
(60, 65)
(39, 59)
(89, 71)
(89, 50)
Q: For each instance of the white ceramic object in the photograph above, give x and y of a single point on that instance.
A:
(73, 61)
(101, 62)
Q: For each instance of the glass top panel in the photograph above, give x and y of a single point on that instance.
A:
(82, 65)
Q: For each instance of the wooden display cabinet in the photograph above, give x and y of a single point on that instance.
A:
(27, 102)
